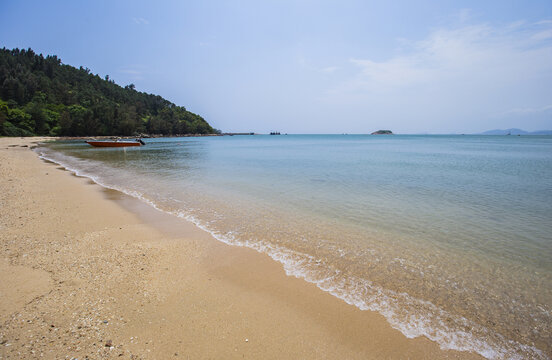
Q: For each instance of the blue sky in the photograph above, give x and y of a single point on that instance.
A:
(312, 66)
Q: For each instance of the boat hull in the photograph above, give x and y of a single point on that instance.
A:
(113, 143)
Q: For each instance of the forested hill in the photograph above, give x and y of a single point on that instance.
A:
(41, 96)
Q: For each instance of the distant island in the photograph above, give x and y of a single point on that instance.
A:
(382, 132)
(42, 96)
(515, 131)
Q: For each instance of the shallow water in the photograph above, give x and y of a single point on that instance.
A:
(449, 237)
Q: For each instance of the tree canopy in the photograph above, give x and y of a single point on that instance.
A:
(42, 96)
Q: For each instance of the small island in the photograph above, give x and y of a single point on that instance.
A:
(382, 132)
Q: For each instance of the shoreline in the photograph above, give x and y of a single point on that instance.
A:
(115, 277)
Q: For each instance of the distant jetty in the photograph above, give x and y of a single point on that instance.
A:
(382, 132)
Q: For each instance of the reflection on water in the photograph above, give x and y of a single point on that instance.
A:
(447, 236)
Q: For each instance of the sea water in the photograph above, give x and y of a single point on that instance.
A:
(448, 237)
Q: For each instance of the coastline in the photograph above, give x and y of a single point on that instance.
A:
(95, 272)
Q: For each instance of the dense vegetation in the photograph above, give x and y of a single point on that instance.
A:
(41, 96)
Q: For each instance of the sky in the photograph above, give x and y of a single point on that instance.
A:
(303, 66)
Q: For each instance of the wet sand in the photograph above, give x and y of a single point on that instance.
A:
(90, 272)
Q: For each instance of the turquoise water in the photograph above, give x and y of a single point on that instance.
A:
(449, 237)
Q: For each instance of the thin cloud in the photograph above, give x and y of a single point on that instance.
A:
(465, 15)
(526, 111)
(330, 69)
(473, 71)
(460, 53)
(305, 63)
(543, 35)
(390, 74)
(133, 73)
(140, 21)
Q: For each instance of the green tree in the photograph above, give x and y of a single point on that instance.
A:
(65, 124)
(40, 95)
(3, 114)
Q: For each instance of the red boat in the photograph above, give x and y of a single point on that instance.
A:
(117, 143)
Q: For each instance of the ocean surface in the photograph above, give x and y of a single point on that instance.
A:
(448, 237)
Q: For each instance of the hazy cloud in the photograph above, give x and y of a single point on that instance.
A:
(461, 53)
(543, 35)
(464, 15)
(524, 111)
(472, 71)
(330, 69)
(133, 73)
(140, 21)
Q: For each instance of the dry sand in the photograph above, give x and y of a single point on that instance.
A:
(91, 273)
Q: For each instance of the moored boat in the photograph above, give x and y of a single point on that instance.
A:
(116, 143)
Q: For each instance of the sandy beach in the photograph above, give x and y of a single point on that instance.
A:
(89, 272)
